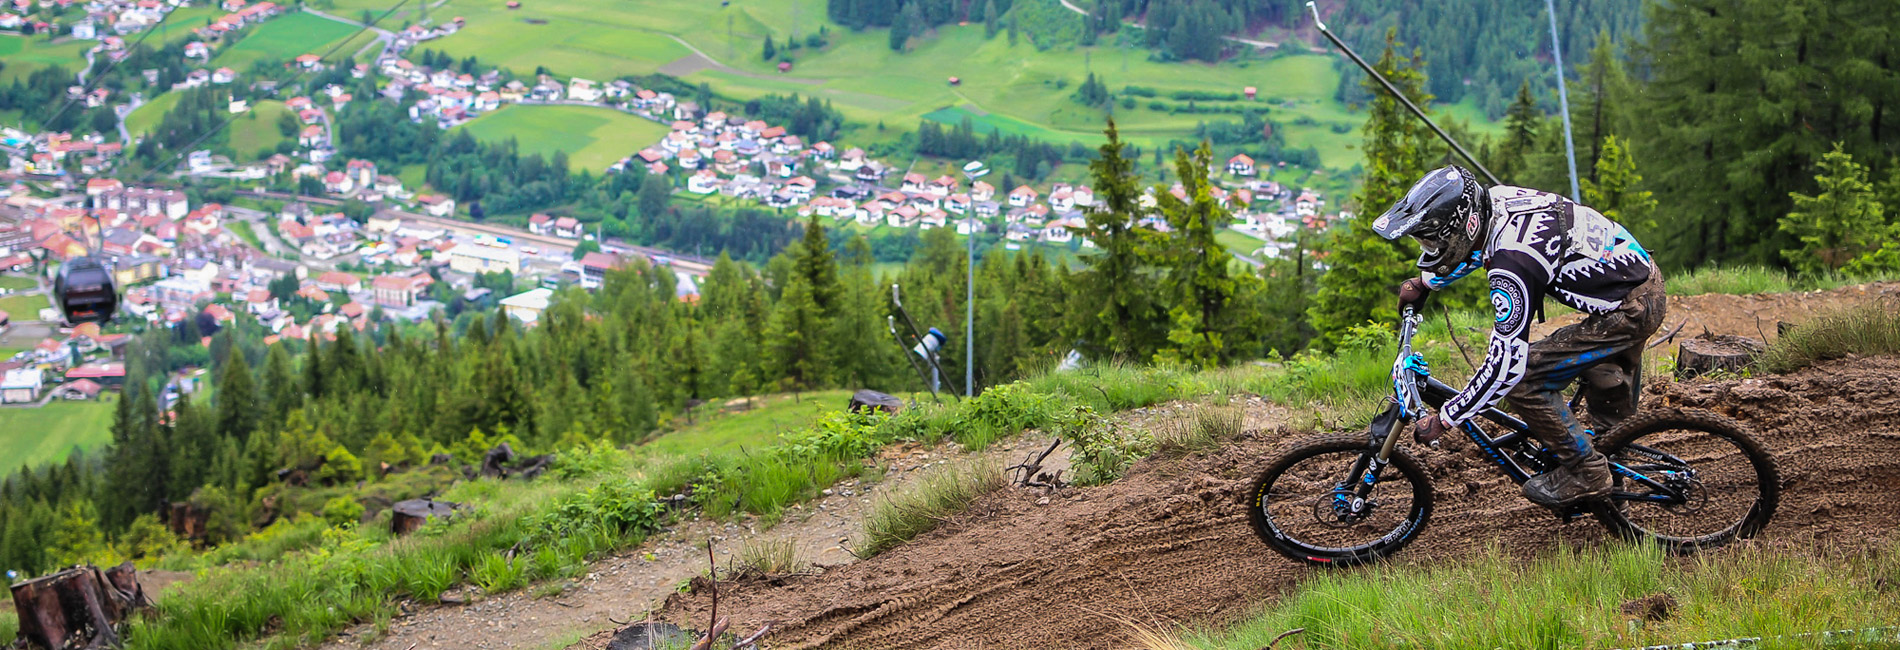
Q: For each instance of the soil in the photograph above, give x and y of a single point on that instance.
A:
(625, 586)
(1170, 543)
(1754, 316)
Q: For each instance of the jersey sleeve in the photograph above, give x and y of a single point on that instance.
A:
(1516, 288)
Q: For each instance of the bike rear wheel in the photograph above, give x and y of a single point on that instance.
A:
(1728, 484)
(1303, 504)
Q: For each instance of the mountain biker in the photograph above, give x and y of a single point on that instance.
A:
(1535, 245)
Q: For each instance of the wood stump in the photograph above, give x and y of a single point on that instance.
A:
(1708, 353)
(407, 516)
(187, 520)
(80, 607)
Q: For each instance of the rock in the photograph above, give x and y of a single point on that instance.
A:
(1042, 501)
(1654, 607)
(451, 598)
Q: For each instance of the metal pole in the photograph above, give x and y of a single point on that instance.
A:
(969, 322)
(1400, 96)
(1563, 99)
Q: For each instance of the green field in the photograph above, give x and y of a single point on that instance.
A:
(150, 113)
(592, 137)
(24, 54)
(31, 436)
(179, 23)
(243, 230)
(1013, 89)
(17, 283)
(257, 130)
(722, 432)
(284, 37)
(24, 307)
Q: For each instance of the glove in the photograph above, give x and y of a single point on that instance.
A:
(1428, 430)
(1412, 293)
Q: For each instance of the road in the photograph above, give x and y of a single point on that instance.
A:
(1259, 45)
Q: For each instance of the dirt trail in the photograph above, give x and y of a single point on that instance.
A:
(625, 586)
(1753, 316)
(1170, 542)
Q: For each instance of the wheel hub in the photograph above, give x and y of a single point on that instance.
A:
(1342, 508)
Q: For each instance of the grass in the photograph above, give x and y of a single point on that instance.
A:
(146, 118)
(25, 54)
(257, 131)
(25, 307)
(17, 283)
(1740, 280)
(35, 436)
(243, 230)
(9, 623)
(1574, 599)
(1870, 329)
(722, 431)
(285, 37)
(940, 495)
(771, 557)
(593, 138)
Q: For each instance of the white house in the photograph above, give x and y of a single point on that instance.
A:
(527, 306)
(1022, 196)
(1240, 165)
(475, 258)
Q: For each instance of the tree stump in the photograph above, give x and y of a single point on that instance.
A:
(407, 516)
(495, 462)
(80, 607)
(187, 520)
(1708, 353)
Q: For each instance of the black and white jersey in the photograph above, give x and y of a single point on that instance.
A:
(1540, 245)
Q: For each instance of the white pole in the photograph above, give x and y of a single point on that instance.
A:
(1563, 100)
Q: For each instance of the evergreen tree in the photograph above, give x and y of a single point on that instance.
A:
(1203, 323)
(238, 405)
(990, 21)
(902, 27)
(815, 263)
(1613, 188)
(1844, 221)
(194, 445)
(771, 51)
(1365, 268)
(796, 338)
(1520, 136)
(280, 385)
(1117, 313)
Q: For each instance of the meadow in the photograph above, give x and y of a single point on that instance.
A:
(147, 116)
(24, 54)
(25, 307)
(719, 429)
(32, 436)
(257, 130)
(285, 37)
(593, 138)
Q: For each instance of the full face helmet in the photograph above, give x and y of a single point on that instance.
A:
(1445, 212)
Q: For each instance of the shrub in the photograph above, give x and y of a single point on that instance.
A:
(618, 505)
(1102, 449)
(920, 509)
(1866, 330)
(342, 511)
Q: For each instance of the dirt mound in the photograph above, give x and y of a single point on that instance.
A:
(1754, 316)
(1170, 542)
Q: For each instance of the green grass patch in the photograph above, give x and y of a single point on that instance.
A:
(721, 429)
(1741, 280)
(285, 37)
(1574, 599)
(9, 622)
(26, 307)
(17, 283)
(35, 436)
(256, 131)
(145, 119)
(178, 24)
(940, 495)
(1871, 329)
(593, 138)
(25, 54)
(243, 230)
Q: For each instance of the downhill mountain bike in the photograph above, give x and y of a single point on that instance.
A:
(1686, 479)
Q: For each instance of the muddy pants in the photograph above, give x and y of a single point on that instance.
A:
(1605, 351)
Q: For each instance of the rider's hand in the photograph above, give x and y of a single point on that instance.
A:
(1412, 293)
(1428, 430)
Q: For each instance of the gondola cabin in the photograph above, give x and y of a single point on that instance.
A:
(85, 291)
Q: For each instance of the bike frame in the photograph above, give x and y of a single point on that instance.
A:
(1414, 390)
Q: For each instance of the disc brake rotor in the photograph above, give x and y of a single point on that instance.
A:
(1341, 508)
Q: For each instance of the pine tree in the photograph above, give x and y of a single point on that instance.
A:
(1203, 324)
(901, 29)
(280, 385)
(1520, 135)
(1844, 221)
(1612, 188)
(238, 406)
(1365, 268)
(1117, 314)
(796, 338)
(815, 264)
(771, 51)
(194, 445)
(990, 19)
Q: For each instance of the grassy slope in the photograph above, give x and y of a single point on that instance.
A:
(720, 431)
(149, 114)
(24, 54)
(592, 137)
(25, 307)
(16, 283)
(285, 37)
(31, 436)
(258, 129)
(861, 76)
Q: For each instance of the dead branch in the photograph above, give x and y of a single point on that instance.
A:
(1453, 331)
(1288, 633)
(714, 625)
(1031, 467)
(1670, 336)
(748, 641)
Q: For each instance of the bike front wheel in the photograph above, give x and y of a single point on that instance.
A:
(1308, 505)
(1688, 479)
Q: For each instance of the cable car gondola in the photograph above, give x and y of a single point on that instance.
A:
(85, 291)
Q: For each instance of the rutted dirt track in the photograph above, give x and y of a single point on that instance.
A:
(1170, 541)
